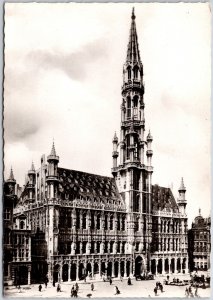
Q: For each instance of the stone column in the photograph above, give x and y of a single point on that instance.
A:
(99, 269)
(29, 276)
(181, 265)
(77, 271)
(187, 266)
(113, 269)
(175, 262)
(169, 262)
(119, 269)
(60, 274)
(163, 266)
(92, 269)
(69, 271)
(156, 266)
(131, 268)
(125, 275)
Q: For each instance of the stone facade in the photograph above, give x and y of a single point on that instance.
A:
(200, 243)
(91, 225)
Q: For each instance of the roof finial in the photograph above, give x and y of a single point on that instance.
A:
(182, 187)
(199, 212)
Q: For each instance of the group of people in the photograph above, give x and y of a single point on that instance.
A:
(74, 290)
(157, 287)
(189, 293)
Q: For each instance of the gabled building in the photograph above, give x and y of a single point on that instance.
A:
(200, 243)
(92, 225)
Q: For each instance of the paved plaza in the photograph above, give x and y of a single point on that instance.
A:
(104, 289)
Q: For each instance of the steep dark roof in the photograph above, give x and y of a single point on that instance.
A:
(162, 198)
(75, 183)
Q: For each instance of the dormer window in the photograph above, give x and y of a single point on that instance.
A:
(22, 225)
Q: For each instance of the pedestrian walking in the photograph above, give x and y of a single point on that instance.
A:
(92, 287)
(156, 291)
(186, 292)
(40, 287)
(58, 288)
(161, 287)
(110, 281)
(129, 281)
(53, 282)
(72, 291)
(117, 292)
(76, 287)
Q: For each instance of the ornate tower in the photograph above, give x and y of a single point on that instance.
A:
(133, 175)
(52, 230)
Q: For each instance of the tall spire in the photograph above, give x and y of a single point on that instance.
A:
(133, 53)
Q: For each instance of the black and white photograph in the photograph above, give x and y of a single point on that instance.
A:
(106, 127)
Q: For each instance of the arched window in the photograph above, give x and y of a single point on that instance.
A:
(111, 247)
(136, 202)
(119, 223)
(98, 221)
(84, 221)
(111, 222)
(129, 107)
(123, 223)
(137, 224)
(22, 225)
(127, 147)
(135, 71)
(129, 73)
(135, 107)
(98, 247)
(106, 222)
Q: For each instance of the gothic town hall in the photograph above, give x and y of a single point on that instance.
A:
(68, 224)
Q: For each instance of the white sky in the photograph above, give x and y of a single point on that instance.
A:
(63, 77)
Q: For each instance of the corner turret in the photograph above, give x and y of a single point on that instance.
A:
(11, 183)
(52, 173)
(181, 199)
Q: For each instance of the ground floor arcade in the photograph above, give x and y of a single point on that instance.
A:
(95, 267)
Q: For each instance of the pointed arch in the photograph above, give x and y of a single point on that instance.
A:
(129, 73)
(135, 72)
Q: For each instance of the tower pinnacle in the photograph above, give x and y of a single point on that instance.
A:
(182, 187)
(133, 54)
(11, 177)
(53, 152)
